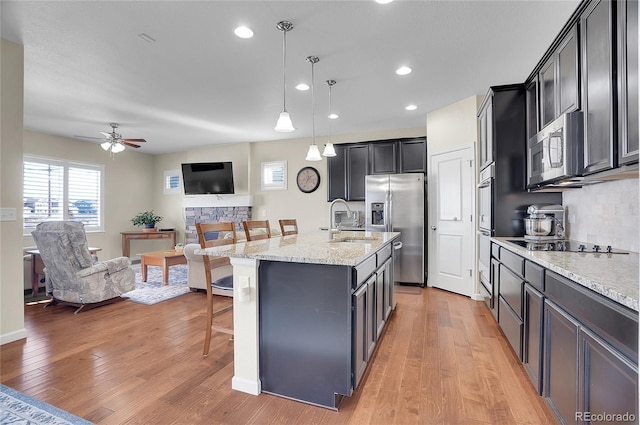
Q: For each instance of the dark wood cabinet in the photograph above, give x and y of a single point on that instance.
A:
(560, 361)
(558, 79)
(337, 174)
(412, 155)
(533, 123)
(383, 157)
(547, 78)
(370, 328)
(609, 381)
(353, 161)
(532, 338)
(627, 20)
(485, 116)
(596, 48)
(357, 169)
(359, 333)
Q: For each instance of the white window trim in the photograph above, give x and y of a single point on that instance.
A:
(66, 164)
(266, 184)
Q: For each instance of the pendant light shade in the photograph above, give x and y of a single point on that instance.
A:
(105, 145)
(117, 147)
(313, 154)
(284, 124)
(329, 150)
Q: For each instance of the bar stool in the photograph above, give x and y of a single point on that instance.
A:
(288, 223)
(255, 230)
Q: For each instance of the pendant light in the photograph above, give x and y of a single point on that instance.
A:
(329, 150)
(284, 124)
(314, 153)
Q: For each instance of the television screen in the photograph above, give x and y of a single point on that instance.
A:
(207, 178)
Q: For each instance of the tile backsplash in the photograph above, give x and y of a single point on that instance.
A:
(605, 214)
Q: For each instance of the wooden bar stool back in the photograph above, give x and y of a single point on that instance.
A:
(288, 226)
(218, 272)
(255, 230)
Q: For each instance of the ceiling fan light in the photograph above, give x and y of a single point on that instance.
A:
(105, 145)
(313, 154)
(284, 124)
(329, 150)
(117, 147)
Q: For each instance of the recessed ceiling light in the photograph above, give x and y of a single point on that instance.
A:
(334, 116)
(411, 107)
(302, 87)
(383, 1)
(146, 38)
(403, 70)
(243, 32)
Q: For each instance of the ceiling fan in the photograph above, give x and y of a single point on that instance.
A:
(115, 143)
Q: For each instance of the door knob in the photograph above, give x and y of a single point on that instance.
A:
(433, 227)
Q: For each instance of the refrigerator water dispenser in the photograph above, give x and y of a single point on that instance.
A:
(377, 214)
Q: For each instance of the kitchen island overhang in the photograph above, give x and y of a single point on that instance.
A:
(294, 311)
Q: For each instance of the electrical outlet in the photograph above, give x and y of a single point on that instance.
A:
(572, 218)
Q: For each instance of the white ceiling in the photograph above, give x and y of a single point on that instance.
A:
(198, 84)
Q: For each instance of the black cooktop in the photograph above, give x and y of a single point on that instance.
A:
(567, 246)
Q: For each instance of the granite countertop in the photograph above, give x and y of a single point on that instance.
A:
(613, 276)
(312, 248)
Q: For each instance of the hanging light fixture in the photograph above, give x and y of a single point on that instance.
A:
(314, 153)
(329, 150)
(284, 124)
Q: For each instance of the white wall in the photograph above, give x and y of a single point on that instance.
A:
(11, 271)
(605, 214)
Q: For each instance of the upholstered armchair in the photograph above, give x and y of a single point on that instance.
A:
(73, 276)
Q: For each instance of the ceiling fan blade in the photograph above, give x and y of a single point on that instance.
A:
(107, 135)
(89, 137)
(131, 145)
(134, 140)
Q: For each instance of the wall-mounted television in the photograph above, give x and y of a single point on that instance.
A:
(207, 178)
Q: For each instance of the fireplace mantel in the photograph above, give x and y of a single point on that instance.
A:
(205, 201)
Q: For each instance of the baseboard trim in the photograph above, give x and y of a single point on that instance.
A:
(13, 336)
(246, 385)
(477, 297)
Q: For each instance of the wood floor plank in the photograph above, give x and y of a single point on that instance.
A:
(442, 360)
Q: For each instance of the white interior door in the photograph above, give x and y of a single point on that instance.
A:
(451, 206)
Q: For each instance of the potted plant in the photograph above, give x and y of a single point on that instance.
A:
(147, 219)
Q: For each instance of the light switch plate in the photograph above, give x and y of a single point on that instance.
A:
(8, 214)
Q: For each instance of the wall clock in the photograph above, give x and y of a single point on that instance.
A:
(308, 179)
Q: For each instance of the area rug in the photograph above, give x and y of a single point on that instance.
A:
(153, 291)
(19, 408)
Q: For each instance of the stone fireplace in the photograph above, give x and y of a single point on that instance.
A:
(202, 209)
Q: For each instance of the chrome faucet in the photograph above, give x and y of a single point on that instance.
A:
(336, 201)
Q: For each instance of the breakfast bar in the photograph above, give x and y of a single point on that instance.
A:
(308, 311)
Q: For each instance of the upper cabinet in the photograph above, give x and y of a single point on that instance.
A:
(353, 161)
(558, 79)
(485, 116)
(627, 20)
(596, 48)
(592, 66)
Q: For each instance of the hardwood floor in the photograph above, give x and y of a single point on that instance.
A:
(442, 360)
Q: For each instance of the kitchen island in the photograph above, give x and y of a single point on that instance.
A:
(308, 311)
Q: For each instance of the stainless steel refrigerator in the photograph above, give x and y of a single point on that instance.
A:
(396, 203)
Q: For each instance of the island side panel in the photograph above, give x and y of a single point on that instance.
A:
(305, 331)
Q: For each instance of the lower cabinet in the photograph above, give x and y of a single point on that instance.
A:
(609, 381)
(532, 338)
(359, 333)
(560, 362)
(579, 348)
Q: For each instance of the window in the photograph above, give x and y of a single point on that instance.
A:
(56, 189)
(274, 175)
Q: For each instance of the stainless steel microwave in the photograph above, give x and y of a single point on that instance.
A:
(555, 153)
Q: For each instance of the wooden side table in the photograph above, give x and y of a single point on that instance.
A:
(164, 259)
(127, 237)
(37, 267)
